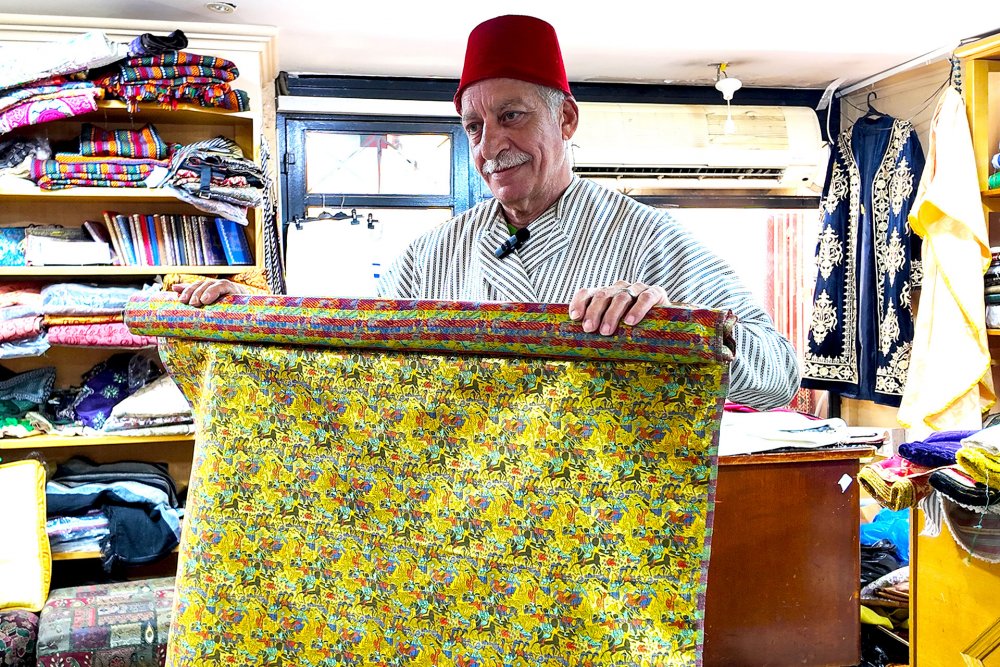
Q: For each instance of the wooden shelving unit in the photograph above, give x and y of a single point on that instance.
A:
(51, 441)
(22, 203)
(952, 594)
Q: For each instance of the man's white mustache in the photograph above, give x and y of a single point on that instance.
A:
(503, 161)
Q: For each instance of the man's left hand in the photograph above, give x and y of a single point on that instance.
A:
(602, 309)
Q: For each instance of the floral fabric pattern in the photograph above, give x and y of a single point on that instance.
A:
(18, 638)
(392, 507)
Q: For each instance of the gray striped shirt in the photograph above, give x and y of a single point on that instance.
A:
(591, 237)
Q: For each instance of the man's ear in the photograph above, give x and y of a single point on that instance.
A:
(570, 118)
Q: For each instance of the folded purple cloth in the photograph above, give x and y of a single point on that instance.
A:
(937, 450)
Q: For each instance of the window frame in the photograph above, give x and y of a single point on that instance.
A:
(465, 191)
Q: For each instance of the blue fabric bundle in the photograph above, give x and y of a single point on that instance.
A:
(937, 450)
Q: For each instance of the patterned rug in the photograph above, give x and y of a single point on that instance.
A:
(363, 493)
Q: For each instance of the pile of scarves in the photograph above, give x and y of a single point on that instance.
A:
(954, 477)
(42, 82)
(107, 158)
(46, 100)
(215, 177)
(34, 316)
(176, 77)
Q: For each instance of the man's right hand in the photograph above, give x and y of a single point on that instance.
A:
(205, 292)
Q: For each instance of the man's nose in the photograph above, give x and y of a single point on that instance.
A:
(492, 142)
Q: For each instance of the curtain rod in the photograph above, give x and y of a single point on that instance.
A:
(926, 59)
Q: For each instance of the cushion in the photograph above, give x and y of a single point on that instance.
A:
(25, 559)
(123, 624)
(18, 637)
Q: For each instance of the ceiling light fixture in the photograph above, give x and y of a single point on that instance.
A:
(221, 7)
(727, 85)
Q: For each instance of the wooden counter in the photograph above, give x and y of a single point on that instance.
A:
(784, 577)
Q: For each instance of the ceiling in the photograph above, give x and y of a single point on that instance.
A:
(779, 43)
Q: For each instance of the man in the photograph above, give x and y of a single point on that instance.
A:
(610, 257)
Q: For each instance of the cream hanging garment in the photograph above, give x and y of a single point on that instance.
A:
(949, 384)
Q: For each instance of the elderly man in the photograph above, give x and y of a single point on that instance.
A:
(548, 236)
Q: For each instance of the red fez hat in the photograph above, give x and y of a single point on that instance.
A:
(513, 47)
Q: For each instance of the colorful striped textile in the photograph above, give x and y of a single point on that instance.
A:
(681, 334)
(142, 143)
(176, 77)
(75, 170)
(382, 482)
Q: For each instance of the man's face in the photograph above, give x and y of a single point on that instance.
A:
(517, 145)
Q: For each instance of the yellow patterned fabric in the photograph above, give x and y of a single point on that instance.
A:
(355, 506)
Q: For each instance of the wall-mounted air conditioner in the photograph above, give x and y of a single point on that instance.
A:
(685, 146)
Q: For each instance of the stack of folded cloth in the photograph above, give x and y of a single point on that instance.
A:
(975, 484)
(991, 290)
(901, 481)
(41, 82)
(21, 324)
(89, 315)
(130, 509)
(175, 77)
(47, 100)
(215, 177)
(116, 158)
(22, 395)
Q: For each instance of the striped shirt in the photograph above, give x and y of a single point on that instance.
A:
(592, 237)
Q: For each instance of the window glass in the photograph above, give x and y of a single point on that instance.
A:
(337, 258)
(378, 163)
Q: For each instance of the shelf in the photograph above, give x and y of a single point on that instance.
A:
(991, 194)
(116, 271)
(47, 441)
(993, 333)
(29, 192)
(151, 112)
(83, 555)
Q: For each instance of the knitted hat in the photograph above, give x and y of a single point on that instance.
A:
(513, 47)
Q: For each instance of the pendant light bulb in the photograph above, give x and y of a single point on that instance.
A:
(729, 127)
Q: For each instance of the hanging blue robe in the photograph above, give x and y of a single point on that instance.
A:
(867, 264)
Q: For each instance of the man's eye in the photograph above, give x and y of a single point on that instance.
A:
(511, 115)
(472, 128)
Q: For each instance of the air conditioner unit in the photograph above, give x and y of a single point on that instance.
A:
(653, 147)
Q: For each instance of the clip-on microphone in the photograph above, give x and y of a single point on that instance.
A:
(512, 243)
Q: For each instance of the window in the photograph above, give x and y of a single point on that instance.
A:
(367, 187)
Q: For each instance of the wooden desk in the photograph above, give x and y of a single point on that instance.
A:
(784, 577)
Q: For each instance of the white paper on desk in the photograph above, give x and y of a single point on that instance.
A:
(752, 432)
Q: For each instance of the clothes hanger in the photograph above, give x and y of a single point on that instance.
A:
(872, 112)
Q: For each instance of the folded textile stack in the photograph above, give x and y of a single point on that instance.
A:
(21, 396)
(903, 480)
(21, 331)
(40, 82)
(90, 315)
(23, 63)
(215, 177)
(67, 170)
(176, 77)
(115, 158)
(991, 290)
(138, 502)
(46, 101)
